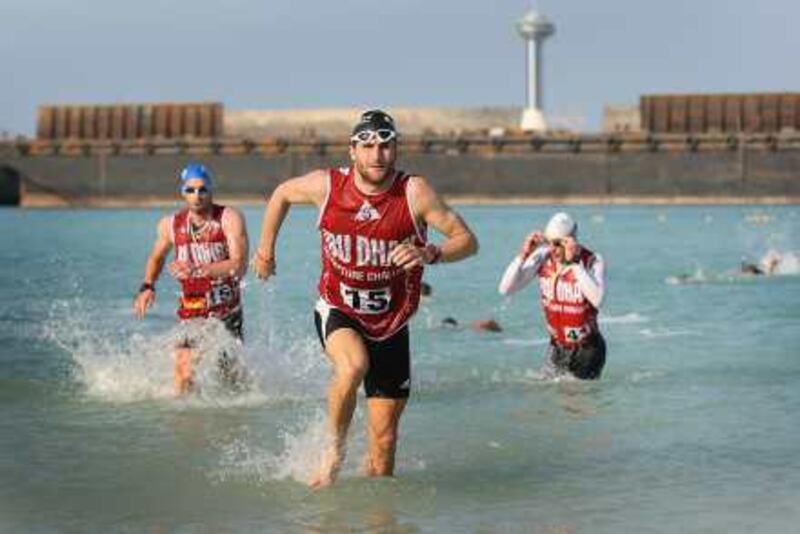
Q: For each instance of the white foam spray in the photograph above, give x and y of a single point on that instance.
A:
(118, 360)
(242, 460)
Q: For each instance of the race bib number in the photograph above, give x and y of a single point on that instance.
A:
(574, 334)
(220, 294)
(366, 301)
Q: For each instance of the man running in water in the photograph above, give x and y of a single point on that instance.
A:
(210, 243)
(373, 223)
(572, 287)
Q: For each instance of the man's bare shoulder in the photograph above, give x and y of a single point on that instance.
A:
(164, 228)
(316, 180)
(317, 174)
(417, 179)
(232, 213)
(420, 185)
(165, 222)
(308, 188)
(423, 193)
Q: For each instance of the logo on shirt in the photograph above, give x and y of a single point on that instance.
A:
(367, 213)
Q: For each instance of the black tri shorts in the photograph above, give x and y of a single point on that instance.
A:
(233, 324)
(584, 361)
(389, 373)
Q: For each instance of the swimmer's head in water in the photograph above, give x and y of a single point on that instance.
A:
(560, 226)
(487, 325)
(749, 268)
(449, 322)
(425, 289)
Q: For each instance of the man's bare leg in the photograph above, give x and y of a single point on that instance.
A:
(350, 360)
(382, 432)
(184, 372)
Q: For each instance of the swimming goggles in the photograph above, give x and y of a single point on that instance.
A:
(202, 190)
(381, 135)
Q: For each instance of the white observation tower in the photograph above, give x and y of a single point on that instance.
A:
(534, 28)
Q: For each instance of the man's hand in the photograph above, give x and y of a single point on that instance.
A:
(572, 249)
(144, 300)
(181, 270)
(407, 256)
(531, 243)
(263, 265)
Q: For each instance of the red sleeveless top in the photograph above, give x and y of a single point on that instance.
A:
(570, 317)
(358, 231)
(204, 296)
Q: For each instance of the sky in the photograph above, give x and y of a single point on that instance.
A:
(268, 54)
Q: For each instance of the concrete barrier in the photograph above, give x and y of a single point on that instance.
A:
(605, 169)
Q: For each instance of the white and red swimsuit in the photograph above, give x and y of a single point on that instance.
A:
(204, 296)
(570, 294)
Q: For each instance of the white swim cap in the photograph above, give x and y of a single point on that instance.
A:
(560, 226)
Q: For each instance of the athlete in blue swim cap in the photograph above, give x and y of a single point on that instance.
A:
(210, 244)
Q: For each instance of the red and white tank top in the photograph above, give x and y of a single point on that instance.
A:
(570, 317)
(358, 231)
(204, 296)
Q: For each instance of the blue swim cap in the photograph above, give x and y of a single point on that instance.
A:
(196, 171)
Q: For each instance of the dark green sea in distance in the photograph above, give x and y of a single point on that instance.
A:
(692, 427)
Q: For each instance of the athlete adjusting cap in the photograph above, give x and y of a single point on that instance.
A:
(560, 226)
(374, 120)
(196, 171)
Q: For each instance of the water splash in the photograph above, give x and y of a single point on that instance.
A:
(773, 263)
(116, 361)
(525, 342)
(627, 318)
(300, 453)
(697, 277)
(111, 365)
(785, 263)
(666, 332)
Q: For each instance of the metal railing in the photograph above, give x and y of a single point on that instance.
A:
(444, 145)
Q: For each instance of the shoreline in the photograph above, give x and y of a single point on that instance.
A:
(47, 201)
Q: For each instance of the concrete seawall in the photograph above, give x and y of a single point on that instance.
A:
(751, 170)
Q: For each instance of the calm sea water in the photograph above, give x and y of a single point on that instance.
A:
(693, 427)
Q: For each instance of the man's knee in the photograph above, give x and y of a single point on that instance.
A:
(349, 355)
(351, 370)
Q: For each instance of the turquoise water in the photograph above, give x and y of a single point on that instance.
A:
(693, 427)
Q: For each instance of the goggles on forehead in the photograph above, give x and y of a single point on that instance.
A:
(381, 135)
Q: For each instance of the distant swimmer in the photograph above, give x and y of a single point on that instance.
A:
(373, 222)
(750, 268)
(210, 242)
(572, 287)
(486, 325)
(481, 325)
(769, 264)
(449, 322)
(686, 278)
(426, 290)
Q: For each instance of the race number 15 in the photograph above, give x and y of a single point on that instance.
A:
(371, 301)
